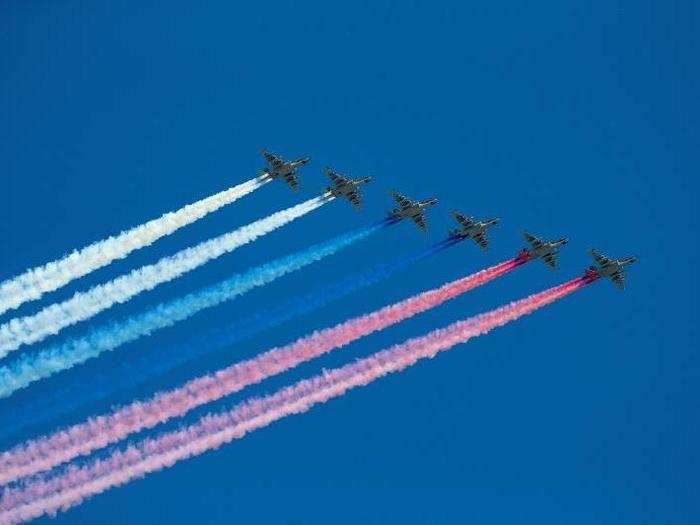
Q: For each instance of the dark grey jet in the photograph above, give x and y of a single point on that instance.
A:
(345, 187)
(413, 210)
(470, 228)
(546, 250)
(278, 168)
(611, 268)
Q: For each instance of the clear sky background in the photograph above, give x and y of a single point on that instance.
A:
(566, 118)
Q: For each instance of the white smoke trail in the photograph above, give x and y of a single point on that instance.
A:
(83, 305)
(33, 283)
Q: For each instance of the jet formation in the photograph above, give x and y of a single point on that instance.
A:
(469, 227)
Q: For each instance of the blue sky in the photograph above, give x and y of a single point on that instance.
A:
(565, 118)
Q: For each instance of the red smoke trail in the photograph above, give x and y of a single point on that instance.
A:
(46, 452)
(62, 491)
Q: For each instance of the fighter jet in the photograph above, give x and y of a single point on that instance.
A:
(472, 229)
(278, 168)
(542, 249)
(345, 187)
(411, 209)
(612, 268)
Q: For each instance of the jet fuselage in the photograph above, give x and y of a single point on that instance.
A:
(473, 230)
(545, 248)
(413, 210)
(288, 167)
(347, 188)
(613, 267)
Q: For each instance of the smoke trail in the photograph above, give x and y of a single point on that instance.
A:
(133, 372)
(97, 432)
(33, 367)
(64, 490)
(84, 305)
(35, 282)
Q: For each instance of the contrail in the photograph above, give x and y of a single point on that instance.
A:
(33, 367)
(97, 432)
(136, 370)
(33, 283)
(50, 494)
(83, 305)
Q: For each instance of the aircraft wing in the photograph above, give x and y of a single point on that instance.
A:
(536, 243)
(403, 201)
(336, 178)
(481, 240)
(602, 260)
(292, 180)
(354, 198)
(273, 159)
(419, 219)
(550, 260)
(464, 221)
(618, 279)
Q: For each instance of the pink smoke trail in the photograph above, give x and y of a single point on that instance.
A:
(62, 491)
(48, 451)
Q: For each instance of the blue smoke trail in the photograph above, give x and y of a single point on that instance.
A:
(35, 366)
(159, 360)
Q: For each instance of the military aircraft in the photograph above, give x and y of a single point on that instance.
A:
(612, 268)
(345, 187)
(542, 249)
(411, 209)
(472, 229)
(278, 168)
